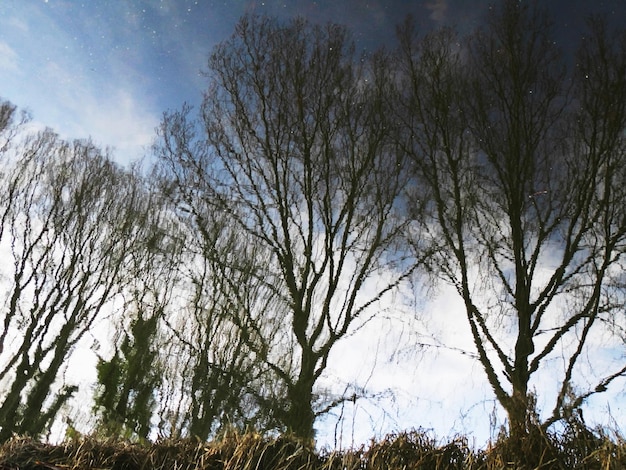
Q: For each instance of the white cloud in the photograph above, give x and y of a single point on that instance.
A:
(77, 89)
(438, 10)
(118, 120)
(8, 58)
(112, 112)
(18, 24)
(417, 380)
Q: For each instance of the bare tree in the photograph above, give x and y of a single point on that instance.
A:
(212, 377)
(524, 165)
(11, 123)
(295, 152)
(131, 380)
(71, 224)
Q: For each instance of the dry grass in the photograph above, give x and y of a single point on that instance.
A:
(416, 450)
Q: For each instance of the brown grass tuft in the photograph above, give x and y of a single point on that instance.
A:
(416, 450)
(574, 449)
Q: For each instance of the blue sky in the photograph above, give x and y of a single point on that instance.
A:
(109, 69)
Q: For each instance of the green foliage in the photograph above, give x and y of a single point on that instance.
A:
(127, 382)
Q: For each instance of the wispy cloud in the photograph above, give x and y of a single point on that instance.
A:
(79, 87)
(113, 114)
(122, 122)
(8, 58)
(438, 10)
(18, 24)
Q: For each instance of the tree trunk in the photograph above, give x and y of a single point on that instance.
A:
(517, 411)
(300, 417)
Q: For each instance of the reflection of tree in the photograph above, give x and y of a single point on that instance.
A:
(212, 378)
(295, 155)
(525, 173)
(129, 382)
(68, 225)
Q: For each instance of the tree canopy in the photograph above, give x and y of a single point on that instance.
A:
(312, 184)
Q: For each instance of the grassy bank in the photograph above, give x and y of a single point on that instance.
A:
(574, 449)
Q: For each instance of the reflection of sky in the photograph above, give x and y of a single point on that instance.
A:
(109, 68)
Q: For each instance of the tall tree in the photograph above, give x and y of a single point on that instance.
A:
(209, 372)
(524, 165)
(130, 382)
(71, 224)
(11, 123)
(295, 152)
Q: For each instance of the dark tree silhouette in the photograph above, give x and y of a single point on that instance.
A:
(130, 382)
(524, 164)
(68, 227)
(293, 148)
